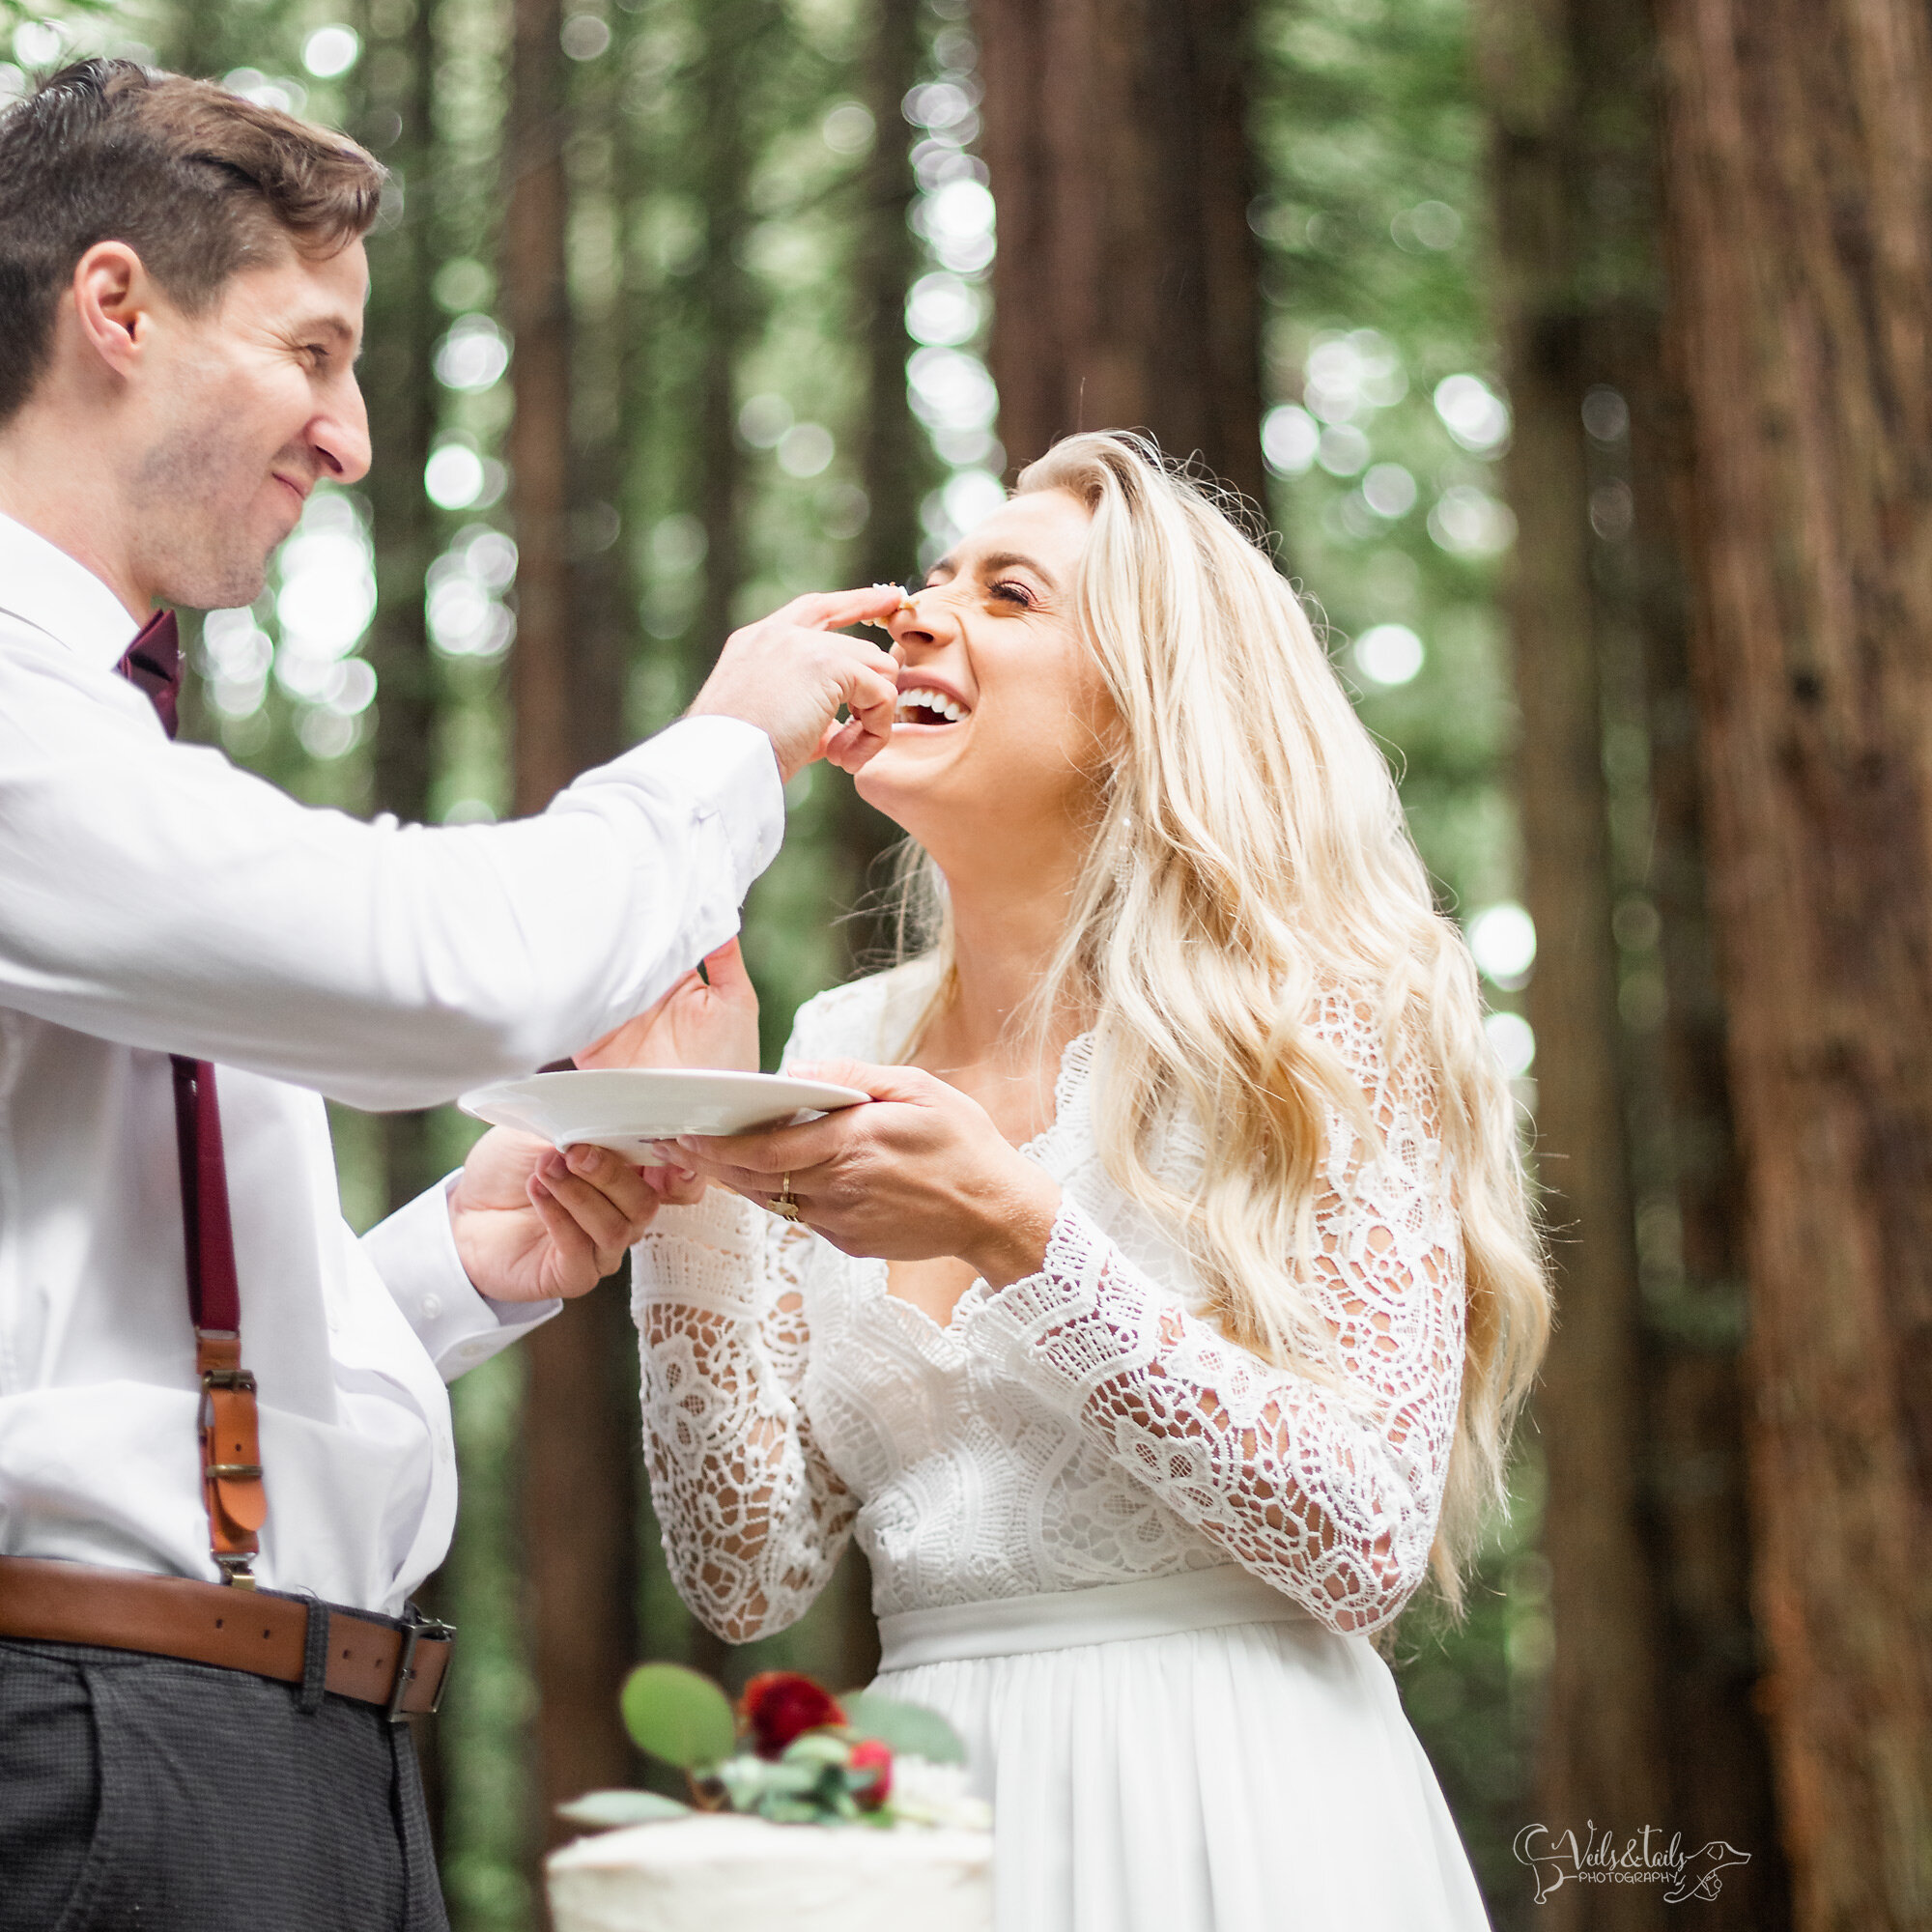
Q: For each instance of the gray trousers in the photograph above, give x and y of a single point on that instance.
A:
(155, 1795)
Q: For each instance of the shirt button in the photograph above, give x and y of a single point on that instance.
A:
(431, 1307)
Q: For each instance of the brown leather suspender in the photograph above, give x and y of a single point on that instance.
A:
(397, 1663)
(231, 1454)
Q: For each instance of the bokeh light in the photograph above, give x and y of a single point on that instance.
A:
(332, 51)
(1388, 654)
(1502, 938)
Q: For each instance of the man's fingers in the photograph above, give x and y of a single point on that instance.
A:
(576, 1255)
(873, 699)
(848, 747)
(677, 1185)
(591, 1206)
(831, 610)
(598, 1046)
(618, 1179)
(870, 694)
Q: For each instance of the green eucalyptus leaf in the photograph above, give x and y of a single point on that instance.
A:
(818, 1747)
(789, 1811)
(605, 1810)
(908, 1730)
(678, 1715)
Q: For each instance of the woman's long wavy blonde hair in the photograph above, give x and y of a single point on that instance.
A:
(1249, 854)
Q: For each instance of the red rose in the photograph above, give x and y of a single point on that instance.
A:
(780, 1705)
(870, 1754)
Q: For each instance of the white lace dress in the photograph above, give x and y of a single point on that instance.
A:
(1135, 1565)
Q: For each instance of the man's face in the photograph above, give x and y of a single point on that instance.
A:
(244, 409)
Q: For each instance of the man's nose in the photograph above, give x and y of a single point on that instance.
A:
(340, 438)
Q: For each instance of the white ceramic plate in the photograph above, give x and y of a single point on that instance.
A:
(625, 1108)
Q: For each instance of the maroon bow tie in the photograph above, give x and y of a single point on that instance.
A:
(153, 661)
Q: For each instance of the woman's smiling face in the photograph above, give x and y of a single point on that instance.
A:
(1003, 714)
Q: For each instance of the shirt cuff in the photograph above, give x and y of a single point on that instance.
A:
(721, 769)
(415, 1252)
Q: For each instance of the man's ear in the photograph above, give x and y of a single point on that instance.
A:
(114, 299)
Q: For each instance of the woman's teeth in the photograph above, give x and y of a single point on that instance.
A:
(936, 706)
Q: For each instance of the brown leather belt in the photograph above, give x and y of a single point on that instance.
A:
(399, 1664)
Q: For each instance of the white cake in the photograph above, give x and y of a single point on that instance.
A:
(732, 1873)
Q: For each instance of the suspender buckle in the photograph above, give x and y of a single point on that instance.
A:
(415, 1628)
(237, 1569)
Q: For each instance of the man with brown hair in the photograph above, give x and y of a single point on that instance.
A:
(225, 1456)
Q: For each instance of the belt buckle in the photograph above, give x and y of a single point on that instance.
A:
(414, 1630)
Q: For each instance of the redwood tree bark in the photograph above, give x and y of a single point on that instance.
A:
(578, 1444)
(401, 394)
(1800, 218)
(728, 301)
(536, 306)
(395, 109)
(1650, 1715)
(1599, 1757)
(895, 460)
(1126, 284)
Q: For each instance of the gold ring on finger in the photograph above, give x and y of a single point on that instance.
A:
(784, 1203)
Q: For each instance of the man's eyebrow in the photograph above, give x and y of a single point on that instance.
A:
(326, 325)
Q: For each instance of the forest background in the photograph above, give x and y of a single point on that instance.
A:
(683, 306)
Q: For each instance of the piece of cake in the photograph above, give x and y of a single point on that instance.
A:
(726, 1872)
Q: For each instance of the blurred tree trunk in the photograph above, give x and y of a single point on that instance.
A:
(728, 303)
(1600, 1756)
(400, 389)
(1125, 286)
(577, 1445)
(895, 462)
(536, 306)
(1690, 1221)
(1651, 1716)
(1799, 184)
(605, 420)
(393, 108)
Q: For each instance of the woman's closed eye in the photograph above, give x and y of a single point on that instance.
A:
(1010, 592)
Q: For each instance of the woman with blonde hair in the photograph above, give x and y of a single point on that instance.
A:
(1157, 1327)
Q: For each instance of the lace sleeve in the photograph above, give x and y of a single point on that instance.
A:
(753, 1517)
(1330, 1492)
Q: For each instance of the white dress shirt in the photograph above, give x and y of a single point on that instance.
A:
(155, 899)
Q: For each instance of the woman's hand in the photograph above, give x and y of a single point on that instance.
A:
(921, 1171)
(532, 1224)
(703, 1021)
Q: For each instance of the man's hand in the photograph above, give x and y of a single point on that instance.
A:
(532, 1224)
(788, 674)
(709, 1021)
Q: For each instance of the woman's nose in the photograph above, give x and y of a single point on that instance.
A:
(918, 623)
